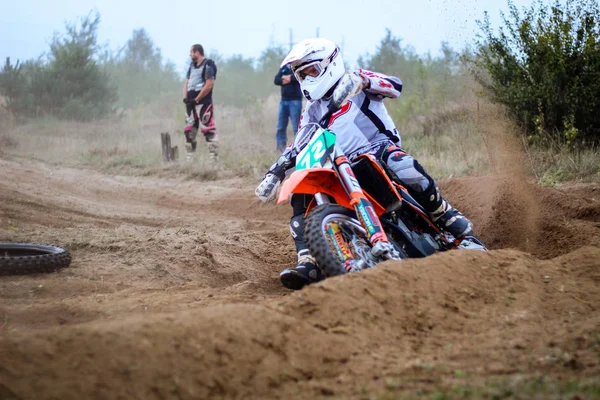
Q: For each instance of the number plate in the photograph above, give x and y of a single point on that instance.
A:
(316, 153)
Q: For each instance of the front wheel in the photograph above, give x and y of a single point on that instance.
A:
(337, 240)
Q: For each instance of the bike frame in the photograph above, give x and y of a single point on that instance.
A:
(326, 181)
(341, 184)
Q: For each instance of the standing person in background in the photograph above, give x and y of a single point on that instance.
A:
(197, 96)
(290, 106)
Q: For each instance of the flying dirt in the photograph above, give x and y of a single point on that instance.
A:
(173, 292)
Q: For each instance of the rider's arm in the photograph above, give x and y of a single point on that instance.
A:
(284, 163)
(185, 91)
(382, 85)
(267, 188)
(305, 118)
(185, 85)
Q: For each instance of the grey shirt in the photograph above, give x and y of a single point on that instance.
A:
(196, 75)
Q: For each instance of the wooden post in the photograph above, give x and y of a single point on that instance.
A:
(168, 153)
(168, 141)
(165, 149)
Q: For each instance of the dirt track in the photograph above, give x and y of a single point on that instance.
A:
(173, 293)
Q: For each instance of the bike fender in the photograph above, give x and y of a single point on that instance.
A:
(320, 180)
(312, 181)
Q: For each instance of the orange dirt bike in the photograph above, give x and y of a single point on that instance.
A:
(355, 206)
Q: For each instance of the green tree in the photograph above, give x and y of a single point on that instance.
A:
(244, 81)
(270, 59)
(14, 86)
(428, 82)
(236, 81)
(74, 85)
(68, 84)
(268, 65)
(544, 66)
(139, 72)
(391, 57)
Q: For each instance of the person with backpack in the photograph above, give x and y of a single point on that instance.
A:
(199, 109)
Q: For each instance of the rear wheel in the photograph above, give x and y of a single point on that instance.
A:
(25, 258)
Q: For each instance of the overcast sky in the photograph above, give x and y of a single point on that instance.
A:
(247, 27)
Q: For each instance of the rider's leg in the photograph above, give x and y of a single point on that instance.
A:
(190, 130)
(423, 188)
(306, 271)
(207, 126)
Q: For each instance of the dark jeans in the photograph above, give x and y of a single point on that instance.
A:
(288, 109)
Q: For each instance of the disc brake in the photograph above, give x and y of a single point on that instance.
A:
(360, 246)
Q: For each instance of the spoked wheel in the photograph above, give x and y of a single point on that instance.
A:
(337, 240)
(24, 258)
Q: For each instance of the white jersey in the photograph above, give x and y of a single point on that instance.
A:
(363, 122)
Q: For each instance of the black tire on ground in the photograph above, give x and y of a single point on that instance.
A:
(317, 241)
(25, 258)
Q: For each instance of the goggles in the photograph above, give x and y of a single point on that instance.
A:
(312, 69)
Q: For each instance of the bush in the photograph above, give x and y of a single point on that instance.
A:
(69, 84)
(544, 67)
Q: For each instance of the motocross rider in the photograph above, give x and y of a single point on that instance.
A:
(362, 126)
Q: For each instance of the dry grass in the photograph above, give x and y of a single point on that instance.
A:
(7, 124)
(476, 138)
(448, 142)
(131, 144)
(559, 163)
(471, 137)
(549, 164)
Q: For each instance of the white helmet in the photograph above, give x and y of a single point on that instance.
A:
(317, 64)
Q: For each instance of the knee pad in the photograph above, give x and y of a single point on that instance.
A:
(190, 135)
(210, 136)
(190, 147)
(300, 203)
(408, 171)
(189, 120)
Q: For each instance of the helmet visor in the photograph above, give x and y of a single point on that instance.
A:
(312, 69)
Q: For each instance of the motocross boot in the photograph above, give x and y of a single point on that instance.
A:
(446, 217)
(213, 151)
(304, 273)
(190, 152)
(212, 142)
(191, 144)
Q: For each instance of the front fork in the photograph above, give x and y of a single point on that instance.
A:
(363, 207)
